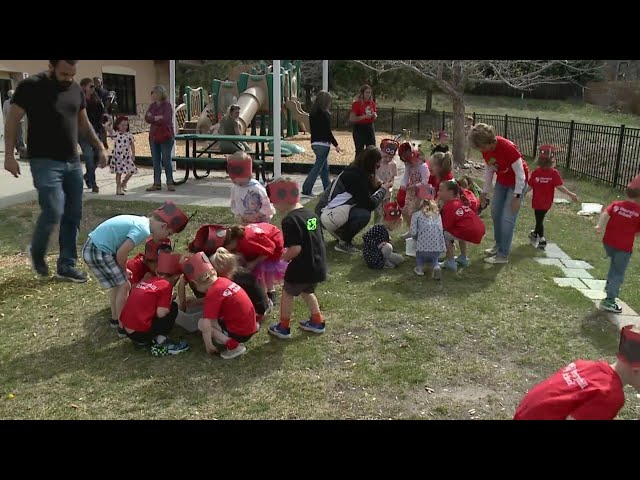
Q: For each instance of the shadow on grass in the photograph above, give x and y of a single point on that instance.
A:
(101, 354)
(601, 332)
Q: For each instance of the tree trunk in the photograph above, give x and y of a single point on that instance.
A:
(429, 103)
(307, 97)
(458, 130)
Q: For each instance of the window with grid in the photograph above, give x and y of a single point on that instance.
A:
(125, 88)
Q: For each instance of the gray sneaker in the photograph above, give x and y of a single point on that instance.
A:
(346, 248)
(39, 266)
(437, 273)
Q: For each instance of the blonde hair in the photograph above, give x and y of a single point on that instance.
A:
(444, 160)
(481, 135)
(225, 262)
(161, 92)
(239, 155)
(282, 179)
(429, 208)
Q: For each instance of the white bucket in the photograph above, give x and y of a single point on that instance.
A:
(410, 247)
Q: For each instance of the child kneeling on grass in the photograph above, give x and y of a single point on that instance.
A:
(306, 254)
(621, 221)
(377, 249)
(459, 222)
(109, 244)
(150, 313)
(586, 389)
(228, 316)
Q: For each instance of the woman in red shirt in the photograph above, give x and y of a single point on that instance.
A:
(505, 161)
(362, 115)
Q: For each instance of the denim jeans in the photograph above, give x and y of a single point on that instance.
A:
(615, 277)
(358, 219)
(321, 167)
(60, 187)
(161, 156)
(504, 220)
(90, 154)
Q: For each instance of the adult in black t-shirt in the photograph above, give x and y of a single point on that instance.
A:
(56, 108)
(306, 255)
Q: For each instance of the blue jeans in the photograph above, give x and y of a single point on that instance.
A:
(90, 154)
(60, 187)
(321, 167)
(615, 277)
(504, 220)
(429, 258)
(161, 155)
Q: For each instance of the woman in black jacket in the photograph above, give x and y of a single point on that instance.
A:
(95, 111)
(357, 186)
(321, 140)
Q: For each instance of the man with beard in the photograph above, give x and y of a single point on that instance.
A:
(56, 107)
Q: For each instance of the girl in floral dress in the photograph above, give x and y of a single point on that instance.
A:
(124, 154)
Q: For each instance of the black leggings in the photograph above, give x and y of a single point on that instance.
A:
(539, 230)
(363, 135)
(159, 326)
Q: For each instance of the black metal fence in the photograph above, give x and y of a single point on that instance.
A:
(606, 153)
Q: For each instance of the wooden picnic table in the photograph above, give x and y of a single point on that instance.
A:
(193, 156)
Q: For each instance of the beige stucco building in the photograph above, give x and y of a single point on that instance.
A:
(132, 80)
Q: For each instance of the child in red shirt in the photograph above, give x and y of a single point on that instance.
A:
(144, 264)
(585, 389)
(228, 316)
(150, 312)
(622, 221)
(543, 181)
(441, 163)
(414, 186)
(459, 222)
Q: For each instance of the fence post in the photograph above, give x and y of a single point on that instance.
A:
(474, 118)
(569, 148)
(618, 157)
(535, 137)
(393, 110)
(506, 126)
(443, 113)
(337, 117)
(418, 112)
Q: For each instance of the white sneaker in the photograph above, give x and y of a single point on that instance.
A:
(497, 259)
(492, 252)
(419, 271)
(236, 352)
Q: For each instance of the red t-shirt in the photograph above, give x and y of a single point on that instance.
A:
(502, 157)
(228, 302)
(544, 181)
(261, 239)
(435, 182)
(624, 223)
(474, 202)
(462, 222)
(143, 301)
(360, 107)
(584, 390)
(138, 268)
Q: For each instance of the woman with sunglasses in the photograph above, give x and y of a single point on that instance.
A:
(95, 111)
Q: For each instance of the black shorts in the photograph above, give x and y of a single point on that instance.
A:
(237, 338)
(295, 289)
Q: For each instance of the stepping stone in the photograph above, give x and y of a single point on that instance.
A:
(576, 263)
(570, 282)
(554, 251)
(626, 309)
(594, 284)
(575, 272)
(549, 261)
(593, 294)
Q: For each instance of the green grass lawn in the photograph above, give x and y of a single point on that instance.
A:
(561, 110)
(396, 346)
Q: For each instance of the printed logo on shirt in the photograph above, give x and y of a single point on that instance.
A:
(147, 286)
(256, 229)
(312, 224)
(252, 202)
(462, 210)
(624, 212)
(231, 290)
(544, 179)
(572, 377)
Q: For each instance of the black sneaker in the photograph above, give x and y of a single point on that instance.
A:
(533, 236)
(71, 274)
(39, 266)
(345, 248)
(113, 323)
(168, 347)
(122, 333)
(542, 243)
